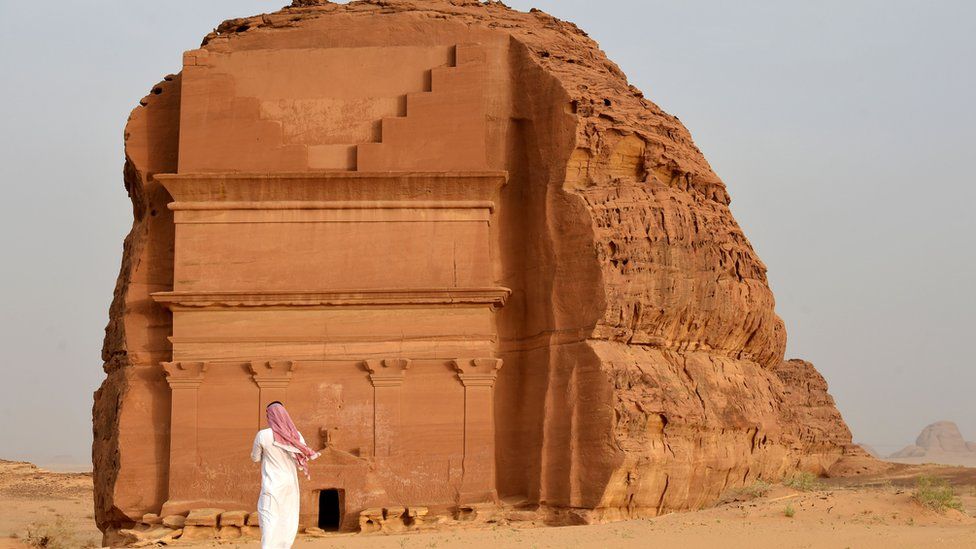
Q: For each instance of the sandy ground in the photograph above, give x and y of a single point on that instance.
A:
(32, 497)
(957, 460)
(869, 512)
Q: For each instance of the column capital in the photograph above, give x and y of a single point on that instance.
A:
(184, 375)
(477, 372)
(387, 372)
(274, 374)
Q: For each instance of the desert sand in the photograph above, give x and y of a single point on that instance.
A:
(870, 511)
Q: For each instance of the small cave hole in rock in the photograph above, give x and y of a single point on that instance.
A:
(330, 509)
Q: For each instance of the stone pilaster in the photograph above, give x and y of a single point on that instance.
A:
(478, 377)
(184, 379)
(272, 378)
(387, 376)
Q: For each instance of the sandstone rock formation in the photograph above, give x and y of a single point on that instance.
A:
(940, 442)
(808, 412)
(472, 258)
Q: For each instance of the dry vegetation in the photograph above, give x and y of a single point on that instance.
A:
(803, 481)
(758, 489)
(58, 534)
(936, 494)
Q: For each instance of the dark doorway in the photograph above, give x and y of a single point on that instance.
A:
(330, 509)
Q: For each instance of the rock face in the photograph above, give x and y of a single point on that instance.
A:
(367, 209)
(808, 412)
(940, 442)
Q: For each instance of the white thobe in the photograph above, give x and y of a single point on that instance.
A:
(278, 504)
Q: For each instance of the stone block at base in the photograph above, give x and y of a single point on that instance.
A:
(204, 517)
(253, 519)
(174, 521)
(370, 520)
(414, 512)
(198, 533)
(233, 518)
(229, 532)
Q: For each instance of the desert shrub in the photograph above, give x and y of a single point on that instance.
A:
(757, 489)
(789, 511)
(936, 494)
(803, 481)
(53, 535)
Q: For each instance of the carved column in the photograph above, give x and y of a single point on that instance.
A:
(272, 379)
(184, 379)
(478, 377)
(387, 376)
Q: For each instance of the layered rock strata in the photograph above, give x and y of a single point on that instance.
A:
(643, 357)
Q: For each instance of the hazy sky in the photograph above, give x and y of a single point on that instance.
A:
(845, 131)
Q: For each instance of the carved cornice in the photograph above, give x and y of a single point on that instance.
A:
(336, 205)
(275, 374)
(387, 372)
(331, 186)
(493, 297)
(184, 375)
(319, 176)
(477, 372)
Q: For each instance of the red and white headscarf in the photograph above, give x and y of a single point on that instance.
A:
(287, 437)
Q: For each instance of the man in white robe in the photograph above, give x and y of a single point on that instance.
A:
(282, 451)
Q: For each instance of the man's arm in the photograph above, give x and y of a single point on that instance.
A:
(256, 448)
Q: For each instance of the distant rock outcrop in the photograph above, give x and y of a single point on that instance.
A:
(940, 442)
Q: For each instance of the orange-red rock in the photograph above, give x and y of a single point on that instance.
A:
(472, 260)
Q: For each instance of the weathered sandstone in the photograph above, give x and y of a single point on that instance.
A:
(204, 517)
(233, 518)
(253, 519)
(191, 533)
(174, 521)
(473, 260)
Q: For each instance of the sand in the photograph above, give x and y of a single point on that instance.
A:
(31, 497)
(959, 460)
(876, 511)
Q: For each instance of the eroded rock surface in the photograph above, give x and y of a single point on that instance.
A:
(643, 357)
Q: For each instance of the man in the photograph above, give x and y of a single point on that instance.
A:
(282, 451)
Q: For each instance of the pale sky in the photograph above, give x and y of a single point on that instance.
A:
(844, 129)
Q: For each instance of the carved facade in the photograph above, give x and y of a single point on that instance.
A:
(364, 301)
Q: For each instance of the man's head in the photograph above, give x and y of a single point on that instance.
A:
(275, 402)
